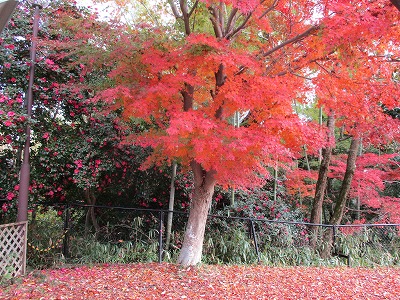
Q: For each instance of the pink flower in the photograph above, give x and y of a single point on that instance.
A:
(8, 123)
(10, 196)
(78, 163)
(49, 62)
(7, 65)
(9, 46)
(11, 114)
(4, 207)
(46, 135)
(16, 188)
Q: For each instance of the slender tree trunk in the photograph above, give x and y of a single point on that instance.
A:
(320, 123)
(316, 212)
(171, 205)
(91, 215)
(306, 157)
(275, 191)
(344, 191)
(192, 246)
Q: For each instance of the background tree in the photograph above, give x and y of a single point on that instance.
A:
(77, 150)
(359, 72)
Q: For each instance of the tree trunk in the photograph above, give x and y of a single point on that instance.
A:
(192, 247)
(316, 212)
(171, 205)
(91, 215)
(344, 191)
(275, 191)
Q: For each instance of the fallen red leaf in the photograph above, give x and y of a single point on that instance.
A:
(168, 281)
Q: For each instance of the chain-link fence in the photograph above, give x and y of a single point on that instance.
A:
(88, 234)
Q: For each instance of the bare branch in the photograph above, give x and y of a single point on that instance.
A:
(193, 8)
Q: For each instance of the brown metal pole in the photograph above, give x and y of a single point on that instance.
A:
(25, 167)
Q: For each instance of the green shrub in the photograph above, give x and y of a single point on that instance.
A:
(227, 241)
(141, 246)
(45, 237)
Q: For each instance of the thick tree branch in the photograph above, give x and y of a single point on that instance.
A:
(216, 22)
(221, 12)
(239, 28)
(187, 94)
(231, 20)
(269, 9)
(174, 9)
(193, 8)
(292, 40)
(396, 3)
(220, 78)
(202, 178)
(185, 15)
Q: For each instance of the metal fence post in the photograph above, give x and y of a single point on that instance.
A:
(160, 236)
(334, 238)
(65, 248)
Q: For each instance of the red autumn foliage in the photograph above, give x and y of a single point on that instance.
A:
(372, 172)
(167, 281)
(301, 182)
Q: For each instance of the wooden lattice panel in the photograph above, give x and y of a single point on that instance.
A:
(13, 249)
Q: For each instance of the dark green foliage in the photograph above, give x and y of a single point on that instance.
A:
(280, 244)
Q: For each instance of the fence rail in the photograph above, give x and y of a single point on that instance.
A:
(349, 242)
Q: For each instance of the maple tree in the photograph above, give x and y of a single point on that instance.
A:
(361, 71)
(187, 88)
(222, 57)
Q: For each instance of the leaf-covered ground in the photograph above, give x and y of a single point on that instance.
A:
(168, 281)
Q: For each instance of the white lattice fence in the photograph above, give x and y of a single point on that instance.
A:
(13, 249)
